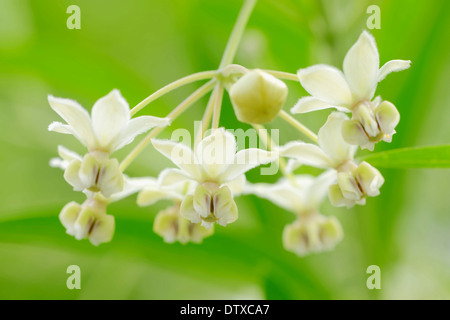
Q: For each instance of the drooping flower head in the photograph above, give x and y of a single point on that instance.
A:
(302, 195)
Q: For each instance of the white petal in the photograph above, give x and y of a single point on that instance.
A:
(326, 83)
(332, 142)
(72, 175)
(151, 195)
(318, 189)
(58, 163)
(67, 154)
(76, 116)
(225, 209)
(247, 159)
(132, 185)
(237, 185)
(103, 230)
(361, 67)
(187, 210)
(216, 152)
(137, 126)
(89, 170)
(59, 127)
(202, 201)
(306, 153)
(170, 177)
(180, 155)
(110, 178)
(393, 66)
(110, 114)
(292, 165)
(282, 193)
(308, 104)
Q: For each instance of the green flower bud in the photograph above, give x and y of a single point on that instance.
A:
(258, 97)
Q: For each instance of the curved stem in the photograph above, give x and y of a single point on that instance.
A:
(200, 92)
(236, 34)
(298, 125)
(206, 116)
(283, 75)
(171, 86)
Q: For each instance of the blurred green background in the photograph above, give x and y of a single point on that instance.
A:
(138, 46)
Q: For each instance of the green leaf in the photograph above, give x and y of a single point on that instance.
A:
(406, 158)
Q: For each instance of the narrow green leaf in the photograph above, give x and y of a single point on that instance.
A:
(405, 158)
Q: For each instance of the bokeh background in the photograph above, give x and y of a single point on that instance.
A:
(138, 46)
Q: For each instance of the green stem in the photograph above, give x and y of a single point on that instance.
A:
(236, 34)
(171, 86)
(217, 105)
(200, 92)
(298, 125)
(207, 116)
(283, 75)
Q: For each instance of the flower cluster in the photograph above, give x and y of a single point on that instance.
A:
(210, 174)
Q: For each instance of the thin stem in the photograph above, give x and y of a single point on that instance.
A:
(206, 120)
(234, 68)
(217, 105)
(171, 86)
(200, 92)
(298, 125)
(283, 75)
(270, 144)
(236, 34)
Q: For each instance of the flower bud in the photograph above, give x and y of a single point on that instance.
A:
(88, 220)
(170, 225)
(258, 97)
(312, 234)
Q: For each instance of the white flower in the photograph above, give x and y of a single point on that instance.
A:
(332, 150)
(217, 170)
(172, 227)
(109, 127)
(353, 182)
(88, 220)
(302, 196)
(312, 234)
(95, 172)
(169, 223)
(311, 231)
(353, 90)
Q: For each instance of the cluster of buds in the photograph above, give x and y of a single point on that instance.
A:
(211, 174)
